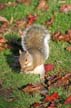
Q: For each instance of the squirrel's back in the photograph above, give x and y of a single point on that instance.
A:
(35, 36)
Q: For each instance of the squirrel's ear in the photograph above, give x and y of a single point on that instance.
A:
(20, 51)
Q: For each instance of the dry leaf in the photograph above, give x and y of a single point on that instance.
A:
(65, 8)
(68, 100)
(2, 6)
(3, 19)
(49, 22)
(49, 67)
(58, 81)
(4, 44)
(42, 5)
(68, 48)
(30, 88)
(58, 36)
(52, 97)
(2, 40)
(31, 19)
(36, 105)
(52, 105)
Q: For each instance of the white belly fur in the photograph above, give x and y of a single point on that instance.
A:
(38, 70)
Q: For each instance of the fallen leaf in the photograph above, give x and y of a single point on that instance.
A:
(65, 8)
(48, 67)
(30, 88)
(2, 6)
(4, 44)
(31, 19)
(68, 100)
(49, 22)
(2, 40)
(51, 98)
(3, 19)
(58, 36)
(52, 105)
(58, 81)
(36, 105)
(42, 5)
(68, 48)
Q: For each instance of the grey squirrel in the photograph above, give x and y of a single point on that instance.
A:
(35, 43)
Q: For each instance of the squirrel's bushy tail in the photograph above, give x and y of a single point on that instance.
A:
(36, 36)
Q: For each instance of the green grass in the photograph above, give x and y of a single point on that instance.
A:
(58, 55)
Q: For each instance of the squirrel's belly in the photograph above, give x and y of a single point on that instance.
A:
(39, 70)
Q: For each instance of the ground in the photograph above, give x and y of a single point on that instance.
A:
(59, 56)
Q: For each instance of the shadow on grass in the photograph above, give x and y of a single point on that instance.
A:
(12, 58)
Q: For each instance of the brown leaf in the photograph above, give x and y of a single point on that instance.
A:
(3, 19)
(58, 81)
(2, 6)
(65, 8)
(30, 88)
(49, 22)
(2, 40)
(68, 48)
(3, 44)
(42, 5)
(57, 36)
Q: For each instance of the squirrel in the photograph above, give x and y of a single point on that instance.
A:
(35, 43)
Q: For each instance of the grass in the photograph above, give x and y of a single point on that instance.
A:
(58, 55)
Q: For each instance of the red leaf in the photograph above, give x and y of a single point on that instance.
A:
(31, 19)
(48, 67)
(36, 105)
(68, 100)
(52, 97)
